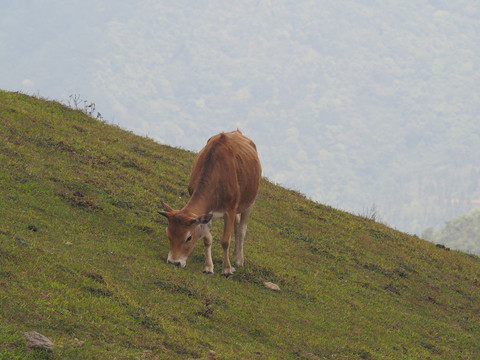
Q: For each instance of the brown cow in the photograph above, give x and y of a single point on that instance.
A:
(224, 183)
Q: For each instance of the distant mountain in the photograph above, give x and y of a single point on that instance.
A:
(462, 232)
(356, 104)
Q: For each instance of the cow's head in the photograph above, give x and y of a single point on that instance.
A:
(183, 231)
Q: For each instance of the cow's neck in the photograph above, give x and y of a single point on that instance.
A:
(198, 206)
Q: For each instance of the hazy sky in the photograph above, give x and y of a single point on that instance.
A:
(344, 100)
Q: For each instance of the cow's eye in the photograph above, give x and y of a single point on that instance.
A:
(188, 238)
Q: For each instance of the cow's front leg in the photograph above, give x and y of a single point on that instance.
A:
(240, 230)
(229, 220)
(207, 240)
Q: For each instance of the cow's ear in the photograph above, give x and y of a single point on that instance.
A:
(164, 213)
(166, 207)
(205, 219)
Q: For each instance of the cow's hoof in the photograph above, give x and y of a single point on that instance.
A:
(228, 272)
(208, 272)
(239, 260)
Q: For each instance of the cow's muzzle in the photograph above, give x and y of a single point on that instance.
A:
(177, 262)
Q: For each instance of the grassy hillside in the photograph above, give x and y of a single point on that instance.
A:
(82, 261)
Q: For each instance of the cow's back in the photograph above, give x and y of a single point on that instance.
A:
(226, 172)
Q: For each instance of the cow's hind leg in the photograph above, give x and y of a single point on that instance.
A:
(229, 219)
(240, 231)
(207, 240)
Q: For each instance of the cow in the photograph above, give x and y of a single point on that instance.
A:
(224, 183)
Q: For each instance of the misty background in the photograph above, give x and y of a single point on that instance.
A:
(370, 107)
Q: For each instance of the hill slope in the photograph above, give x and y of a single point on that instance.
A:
(82, 261)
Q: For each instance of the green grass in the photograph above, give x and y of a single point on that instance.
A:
(93, 276)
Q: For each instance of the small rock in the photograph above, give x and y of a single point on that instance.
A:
(76, 342)
(271, 286)
(37, 341)
(212, 355)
